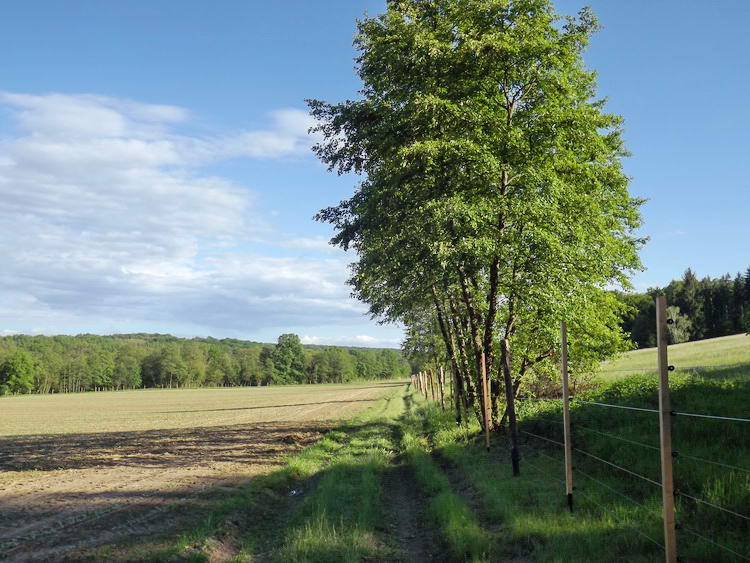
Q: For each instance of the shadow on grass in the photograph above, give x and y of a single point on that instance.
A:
(630, 439)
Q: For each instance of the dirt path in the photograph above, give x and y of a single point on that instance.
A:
(412, 533)
(98, 488)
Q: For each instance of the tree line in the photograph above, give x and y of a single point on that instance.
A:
(701, 308)
(492, 203)
(59, 364)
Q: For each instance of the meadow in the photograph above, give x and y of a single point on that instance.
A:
(710, 355)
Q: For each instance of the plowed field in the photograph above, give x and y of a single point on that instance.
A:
(88, 469)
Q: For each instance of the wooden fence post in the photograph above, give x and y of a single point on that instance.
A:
(441, 383)
(566, 416)
(485, 403)
(665, 432)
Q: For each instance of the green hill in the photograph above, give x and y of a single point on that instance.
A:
(728, 356)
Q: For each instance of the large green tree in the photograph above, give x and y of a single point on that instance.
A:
(288, 359)
(492, 187)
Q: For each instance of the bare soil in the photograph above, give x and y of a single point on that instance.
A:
(63, 492)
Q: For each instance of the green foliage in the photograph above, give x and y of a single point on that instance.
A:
(679, 329)
(43, 364)
(288, 359)
(17, 373)
(493, 182)
(709, 308)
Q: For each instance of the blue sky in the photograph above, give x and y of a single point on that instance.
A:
(155, 172)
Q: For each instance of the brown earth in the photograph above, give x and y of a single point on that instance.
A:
(139, 462)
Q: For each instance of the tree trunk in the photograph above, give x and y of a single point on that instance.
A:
(510, 404)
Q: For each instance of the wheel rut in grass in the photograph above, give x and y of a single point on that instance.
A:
(513, 552)
(468, 493)
(408, 524)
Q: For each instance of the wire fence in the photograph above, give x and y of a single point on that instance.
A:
(574, 444)
(577, 428)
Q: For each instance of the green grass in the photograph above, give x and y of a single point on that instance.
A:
(343, 517)
(458, 526)
(728, 354)
(617, 513)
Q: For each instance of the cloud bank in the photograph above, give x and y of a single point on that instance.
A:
(107, 216)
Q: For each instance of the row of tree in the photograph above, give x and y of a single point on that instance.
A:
(701, 308)
(58, 364)
(493, 203)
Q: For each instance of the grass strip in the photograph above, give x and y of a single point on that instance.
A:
(461, 532)
(531, 508)
(343, 518)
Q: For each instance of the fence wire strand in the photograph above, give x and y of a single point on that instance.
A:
(613, 406)
(576, 426)
(633, 473)
(603, 484)
(543, 438)
(715, 417)
(702, 460)
(647, 371)
(604, 510)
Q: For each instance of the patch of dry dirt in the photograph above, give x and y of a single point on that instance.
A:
(66, 492)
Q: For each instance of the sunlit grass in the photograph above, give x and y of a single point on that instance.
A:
(728, 352)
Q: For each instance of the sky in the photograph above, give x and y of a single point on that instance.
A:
(156, 176)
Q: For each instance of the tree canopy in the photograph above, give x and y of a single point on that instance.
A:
(44, 364)
(493, 196)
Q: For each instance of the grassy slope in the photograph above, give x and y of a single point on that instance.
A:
(728, 351)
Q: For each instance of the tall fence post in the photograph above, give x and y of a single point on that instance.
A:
(665, 432)
(441, 382)
(566, 416)
(485, 403)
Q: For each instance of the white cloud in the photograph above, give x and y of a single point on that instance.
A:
(318, 244)
(356, 340)
(105, 217)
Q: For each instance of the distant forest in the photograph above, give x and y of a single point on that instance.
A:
(701, 308)
(59, 364)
